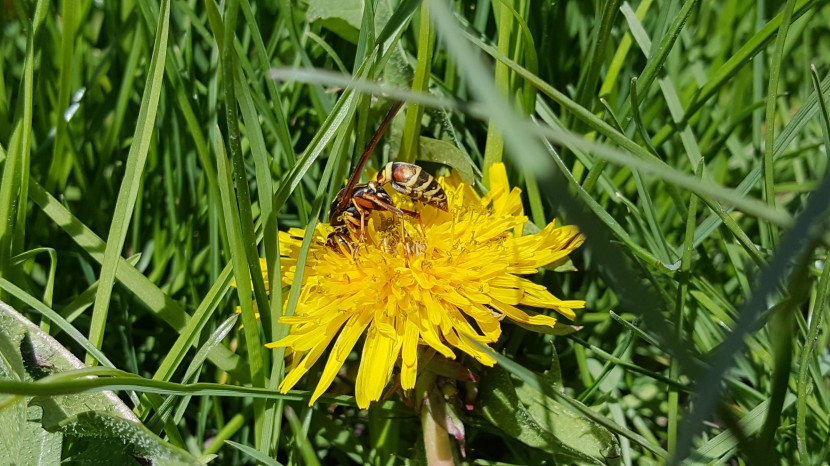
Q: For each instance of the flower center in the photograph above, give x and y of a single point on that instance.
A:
(401, 236)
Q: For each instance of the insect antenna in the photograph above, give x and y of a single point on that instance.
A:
(346, 193)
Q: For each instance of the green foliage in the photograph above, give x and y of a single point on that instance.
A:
(82, 428)
(686, 139)
(543, 423)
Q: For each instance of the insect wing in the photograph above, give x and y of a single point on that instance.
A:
(346, 193)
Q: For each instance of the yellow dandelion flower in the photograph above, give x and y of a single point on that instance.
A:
(445, 281)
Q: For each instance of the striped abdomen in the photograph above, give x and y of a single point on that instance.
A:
(413, 181)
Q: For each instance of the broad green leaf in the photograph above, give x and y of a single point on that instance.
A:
(23, 442)
(576, 432)
(344, 17)
(101, 427)
(447, 153)
(102, 438)
(542, 423)
(339, 16)
(32, 354)
(28, 354)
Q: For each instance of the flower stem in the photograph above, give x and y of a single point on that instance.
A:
(436, 438)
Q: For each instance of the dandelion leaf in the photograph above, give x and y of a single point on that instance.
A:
(86, 428)
(543, 423)
(446, 153)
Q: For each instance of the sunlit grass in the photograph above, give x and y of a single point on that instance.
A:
(132, 195)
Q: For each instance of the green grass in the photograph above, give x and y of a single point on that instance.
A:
(686, 139)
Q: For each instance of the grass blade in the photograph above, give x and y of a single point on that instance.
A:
(130, 185)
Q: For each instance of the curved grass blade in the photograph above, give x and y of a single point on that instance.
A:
(79, 381)
(769, 233)
(55, 318)
(796, 244)
(816, 314)
(129, 188)
(254, 454)
(156, 300)
(162, 414)
(16, 166)
(736, 62)
(241, 271)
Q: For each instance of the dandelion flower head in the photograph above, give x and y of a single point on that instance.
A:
(445, 281)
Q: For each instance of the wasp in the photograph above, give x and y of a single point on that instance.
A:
(355, 202)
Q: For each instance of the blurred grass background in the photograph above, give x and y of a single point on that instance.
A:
(687, 139)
